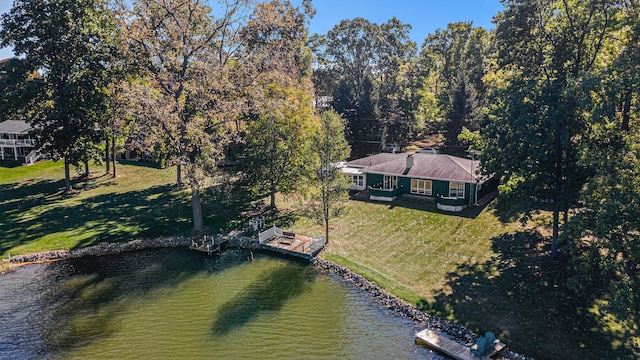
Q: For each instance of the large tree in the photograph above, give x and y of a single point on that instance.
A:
(281, 116)
(69, 44)
(453, 62)
(547, 49)
(185, 55)
(604, 235)
(15, 76)
(366, 68)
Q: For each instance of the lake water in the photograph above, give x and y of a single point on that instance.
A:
(172, 303)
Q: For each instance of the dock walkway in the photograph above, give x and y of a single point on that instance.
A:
(288, 243)
(208, 244)
(452, 348)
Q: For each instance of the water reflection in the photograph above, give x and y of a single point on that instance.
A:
(173, 303)
(268, 293)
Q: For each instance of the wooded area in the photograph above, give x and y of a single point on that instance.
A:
(549, 98)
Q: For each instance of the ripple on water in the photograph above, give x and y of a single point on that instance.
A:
(172, 303)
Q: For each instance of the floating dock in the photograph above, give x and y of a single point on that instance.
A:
(453, 348)
(288, 243)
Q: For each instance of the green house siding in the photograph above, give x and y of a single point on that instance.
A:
(374, 180)
(438, 187)
(404, 184)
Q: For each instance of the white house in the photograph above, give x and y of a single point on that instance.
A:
(16, 141)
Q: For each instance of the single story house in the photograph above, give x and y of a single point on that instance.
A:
(454, 183)
(17, 142)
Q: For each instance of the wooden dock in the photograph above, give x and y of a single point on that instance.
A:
(288, 243)
(208, 244)
(453, 348)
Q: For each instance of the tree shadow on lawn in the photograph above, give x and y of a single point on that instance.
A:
(140, 163)
(520, 294)
(10, 164)
(513, 207)
(33, 210)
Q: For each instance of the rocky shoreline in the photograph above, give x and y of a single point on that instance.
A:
(455, 331)
(104, 248)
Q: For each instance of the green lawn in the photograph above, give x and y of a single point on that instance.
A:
(469, 267)
(409, 246)
(141, 202)
(472, 268)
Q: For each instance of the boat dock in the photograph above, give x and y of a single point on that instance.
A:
(288, 243)
(453, 348)
(208, 244)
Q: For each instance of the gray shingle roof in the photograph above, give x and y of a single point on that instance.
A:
(429, 166)
(14, 127)
(374, 160)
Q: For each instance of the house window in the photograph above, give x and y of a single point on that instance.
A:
(456, 189)
(422, 187)
(390, 182)
(357, 180)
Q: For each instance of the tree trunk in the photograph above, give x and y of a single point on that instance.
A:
(626, 110)
(67, 177)
(179, 175)
(326, 231)
(196, 207)
(273, 200)
(86, 169)
(557, 194)
(556, 231)
(113, 154)
(106, 155)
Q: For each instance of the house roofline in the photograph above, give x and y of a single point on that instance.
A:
(427, 178)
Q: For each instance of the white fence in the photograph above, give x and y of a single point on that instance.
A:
(317, 244)
(269, 233)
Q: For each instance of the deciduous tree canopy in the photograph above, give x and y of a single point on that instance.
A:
(70, 45)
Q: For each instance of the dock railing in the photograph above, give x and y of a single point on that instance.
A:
(317, 244)
(269, 233)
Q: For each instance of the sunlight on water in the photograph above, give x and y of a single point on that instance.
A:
(176, 304)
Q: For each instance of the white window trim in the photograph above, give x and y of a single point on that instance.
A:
(458, 188)
(421, 187)
(357, 180)
(392, 179)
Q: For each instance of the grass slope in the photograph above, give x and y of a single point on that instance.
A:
(471, 267)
